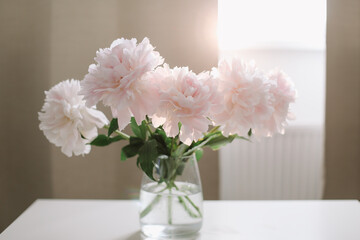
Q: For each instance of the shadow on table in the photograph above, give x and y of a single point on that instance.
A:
(139, 236)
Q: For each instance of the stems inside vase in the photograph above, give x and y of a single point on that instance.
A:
(170, 207)
(184, 201)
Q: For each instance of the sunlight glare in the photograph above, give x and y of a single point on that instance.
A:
(271, 24)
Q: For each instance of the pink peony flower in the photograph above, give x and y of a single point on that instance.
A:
(65, 119)
(187, 98)
(118, 79)
(246, 97)
(282, 94)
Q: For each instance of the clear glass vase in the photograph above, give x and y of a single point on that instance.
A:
(172, 206)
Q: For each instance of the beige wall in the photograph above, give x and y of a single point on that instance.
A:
(45, 42)
(76, 34)
(342, 147)
(25, 168)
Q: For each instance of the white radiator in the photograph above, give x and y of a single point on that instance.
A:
(286, 166)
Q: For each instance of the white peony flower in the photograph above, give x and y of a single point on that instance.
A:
(66, 121)
(187, 98)
(246, 97)
(118, 80)
(282, 94)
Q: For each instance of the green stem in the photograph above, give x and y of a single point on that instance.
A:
(192, 150)
(172, 145)
(191, 202)
(150, 206)
(170, 207)
(127, 137)
(194, 206)
(214, 129)
(187, 209)
(156, 200)
(148, 127)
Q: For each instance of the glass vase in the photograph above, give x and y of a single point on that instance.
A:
(172, 205)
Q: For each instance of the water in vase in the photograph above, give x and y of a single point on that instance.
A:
(172, 212)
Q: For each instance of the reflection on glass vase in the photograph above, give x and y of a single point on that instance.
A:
(172, 205)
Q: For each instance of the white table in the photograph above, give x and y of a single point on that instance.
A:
(118, 220)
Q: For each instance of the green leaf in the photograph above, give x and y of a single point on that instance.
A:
(199, 153)
(161, 144)
(133, 147)
(136, 140)
(217, 142)
(147, 157)
(131, 150)
(113, 126)
(123, 157)
(166, 139)
(101, 140)
(243, 138)
(117, 138)
(249, 132)
(138, 130)
(138, 162)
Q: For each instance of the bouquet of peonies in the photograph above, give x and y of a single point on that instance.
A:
(169, 110)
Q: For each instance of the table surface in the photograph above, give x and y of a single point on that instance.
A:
(118, 220)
